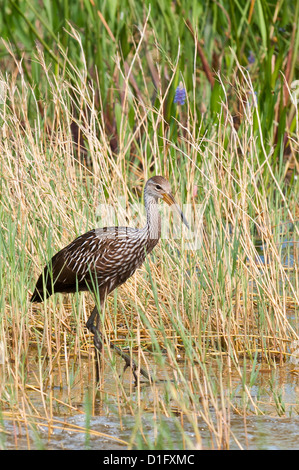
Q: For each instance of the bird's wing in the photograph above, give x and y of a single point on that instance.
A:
(98, 254)
(101, 250)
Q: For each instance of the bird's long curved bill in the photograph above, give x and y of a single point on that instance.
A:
(169, 199)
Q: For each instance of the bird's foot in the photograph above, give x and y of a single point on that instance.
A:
(132, 364)
(133, 367)
(129, 362)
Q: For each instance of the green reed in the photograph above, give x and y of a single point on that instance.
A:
(201, 320)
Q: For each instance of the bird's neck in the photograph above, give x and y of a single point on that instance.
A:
(153, 223)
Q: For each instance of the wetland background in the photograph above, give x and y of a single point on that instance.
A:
(88, 113)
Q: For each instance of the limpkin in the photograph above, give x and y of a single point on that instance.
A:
(103, 259)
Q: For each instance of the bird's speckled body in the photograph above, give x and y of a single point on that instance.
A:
(104, 258)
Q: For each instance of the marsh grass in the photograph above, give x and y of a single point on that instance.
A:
(200, 320)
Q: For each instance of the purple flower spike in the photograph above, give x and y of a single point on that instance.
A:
(251, 58)
(180, 94)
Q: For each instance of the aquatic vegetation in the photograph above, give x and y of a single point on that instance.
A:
(213, 314)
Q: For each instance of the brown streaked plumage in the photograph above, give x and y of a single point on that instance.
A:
(104, 258)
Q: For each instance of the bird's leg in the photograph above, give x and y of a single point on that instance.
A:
(97, 338)
(98, 343)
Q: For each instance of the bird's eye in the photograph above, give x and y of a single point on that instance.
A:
(158, 187)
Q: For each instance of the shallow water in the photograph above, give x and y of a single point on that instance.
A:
(288, 252)
(260, 433)
(80, 421)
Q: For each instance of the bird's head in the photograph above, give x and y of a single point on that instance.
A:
(159, 188)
